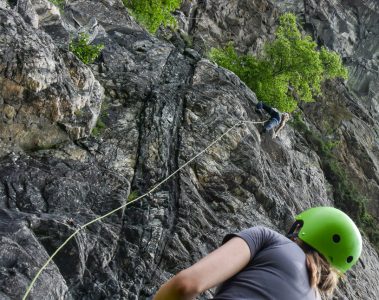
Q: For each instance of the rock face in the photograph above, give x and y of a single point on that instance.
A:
(162, 105)
(352, 30)
(47, 95)
(347, 27)
(43, 201)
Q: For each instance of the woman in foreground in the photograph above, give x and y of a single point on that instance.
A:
(259, 263)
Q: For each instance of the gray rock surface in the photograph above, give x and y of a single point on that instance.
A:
(349, 111)
(162, 105)
(47, 96)
(3, 4)
(247, 23)
(47, 16)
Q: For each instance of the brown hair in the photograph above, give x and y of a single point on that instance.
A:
(322, 276)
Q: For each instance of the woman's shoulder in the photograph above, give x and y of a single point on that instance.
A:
(259, 236)
(269, 235)
(264, 230)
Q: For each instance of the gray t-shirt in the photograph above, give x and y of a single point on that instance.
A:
(277, 269)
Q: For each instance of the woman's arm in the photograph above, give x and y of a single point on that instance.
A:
(276, 132)
(285, 117)
(210, 271)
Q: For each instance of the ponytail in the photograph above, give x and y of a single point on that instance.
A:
(322, 276)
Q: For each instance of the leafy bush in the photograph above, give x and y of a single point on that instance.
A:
(100, 125)
(99, 128)
(58, 3)
(290, 69)
(133, 195)
(152, 13)
(83, 50)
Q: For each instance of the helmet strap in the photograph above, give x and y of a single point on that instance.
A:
(293, 232)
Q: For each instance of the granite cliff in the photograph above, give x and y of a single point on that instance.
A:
(160, 102)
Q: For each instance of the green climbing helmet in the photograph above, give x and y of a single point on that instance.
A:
(333, 234)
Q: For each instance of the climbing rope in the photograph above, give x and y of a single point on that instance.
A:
(239, 123)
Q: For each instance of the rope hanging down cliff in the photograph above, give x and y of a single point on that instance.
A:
(239, 123)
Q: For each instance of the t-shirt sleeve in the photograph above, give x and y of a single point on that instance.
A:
(256, 238)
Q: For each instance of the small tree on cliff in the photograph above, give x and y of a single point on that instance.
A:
(290, 69)
(151, 14)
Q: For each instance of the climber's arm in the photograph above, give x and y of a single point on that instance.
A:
(279, 129)
(210, 271)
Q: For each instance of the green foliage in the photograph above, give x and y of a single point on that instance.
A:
(152, 13)
(58, 3)
(133, 195)
(332, 64)
(346, 196)
(83, 50)
(100, 125)
(99, 128)
(290, 69)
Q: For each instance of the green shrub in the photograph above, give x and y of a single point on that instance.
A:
(133, 195)
(100, 125)
(83, 50)
(58, 3)
(99, 128)
(290, 69)
(152, 13)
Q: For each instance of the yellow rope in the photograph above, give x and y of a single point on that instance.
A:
(128, 203)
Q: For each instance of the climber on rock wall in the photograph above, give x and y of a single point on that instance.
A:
(259, 263)
(277, 119)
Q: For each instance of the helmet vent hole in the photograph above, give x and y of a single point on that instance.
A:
(336, 238)
(349, 259)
